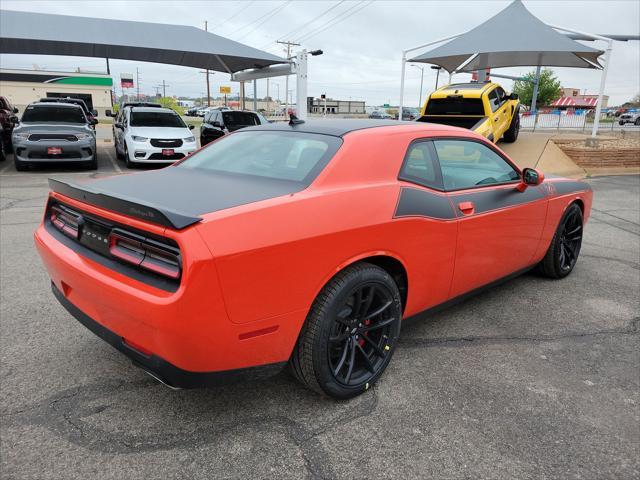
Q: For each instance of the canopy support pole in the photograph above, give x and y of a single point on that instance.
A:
(534, 97)
(301, 85)
(603, 76)
(404, 62)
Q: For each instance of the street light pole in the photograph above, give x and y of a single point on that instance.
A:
(421, 80)
(437, 69)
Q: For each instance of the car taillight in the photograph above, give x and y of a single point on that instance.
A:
(65, 220)
(145, 253)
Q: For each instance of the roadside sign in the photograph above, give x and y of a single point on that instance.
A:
(225, 90)
(126, 80)
(386, 105)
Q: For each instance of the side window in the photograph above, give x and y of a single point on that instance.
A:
(502, 96)
(218, 118)
(421, 165)
(468, 164)
(125, 118)
(493, 100)
(207, 117)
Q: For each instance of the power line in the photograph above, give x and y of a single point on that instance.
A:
(316, 17)
(331, 20)
(277, 10)
(361, 5)
(251, 24)
(238, 12)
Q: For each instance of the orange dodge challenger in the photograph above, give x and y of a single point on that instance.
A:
(300, 243)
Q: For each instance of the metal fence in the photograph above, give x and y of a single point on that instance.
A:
(578, 120)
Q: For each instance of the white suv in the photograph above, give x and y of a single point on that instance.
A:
(151, 135)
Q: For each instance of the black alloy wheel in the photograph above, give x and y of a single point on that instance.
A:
(360, 335)
(565, 247)
(350, 333)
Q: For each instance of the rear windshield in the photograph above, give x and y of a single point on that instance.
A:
(35, 114)
(293, 156)
(156, 119)
(455, 106)
(232, 119)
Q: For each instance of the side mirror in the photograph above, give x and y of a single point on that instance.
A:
(93, 121)
(191, 126)
(14, 119)
(94, 113)
(15, 110)
(108, 113)
(530, 177)
(514, 96)
(118, 125)
(216, 124)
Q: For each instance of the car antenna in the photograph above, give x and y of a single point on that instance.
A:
(293, 120)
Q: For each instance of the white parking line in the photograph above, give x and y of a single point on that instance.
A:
(114, 162)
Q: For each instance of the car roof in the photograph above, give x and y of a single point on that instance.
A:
(55, 104)
(337, 128)
(151, 109)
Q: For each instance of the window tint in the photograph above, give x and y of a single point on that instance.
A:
(53, 114)
(501, 95)
(156, 119)
(420, 165)
(467, 164)
(493, 100)
(455, 106)
(233, 119)
(293, 156)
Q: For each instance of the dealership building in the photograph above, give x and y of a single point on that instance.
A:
(23, 87)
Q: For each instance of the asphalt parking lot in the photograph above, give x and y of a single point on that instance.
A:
(532, 379)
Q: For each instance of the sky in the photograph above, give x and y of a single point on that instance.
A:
(362, 41)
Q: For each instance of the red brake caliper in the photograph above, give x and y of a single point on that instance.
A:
(361, 341)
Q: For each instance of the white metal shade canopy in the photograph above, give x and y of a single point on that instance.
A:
(513, 37)
(46, 34)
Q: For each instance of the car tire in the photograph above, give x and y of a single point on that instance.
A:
(511, 135)
(564, 250)
(119, 155)
(128, 163)
(637, 122)
(620, 122)
(20, 165)
(350, 333)
(3, 155)
(93, 163)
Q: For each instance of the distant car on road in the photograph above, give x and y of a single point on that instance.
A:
(151, 135)
(7, 121)
(380, 115)
(629, 117)
(54, 132)
(218, 123)
(409, 114)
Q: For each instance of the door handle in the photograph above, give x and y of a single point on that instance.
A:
(467, 208)
(496, 118)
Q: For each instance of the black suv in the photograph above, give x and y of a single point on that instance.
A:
(8, 120)
(92, 115)
(218, 123)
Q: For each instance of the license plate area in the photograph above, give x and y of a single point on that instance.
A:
(167, 151)
(54, 151)
(95, 236)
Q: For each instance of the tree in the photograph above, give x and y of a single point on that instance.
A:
(549, 88)
(172, 103)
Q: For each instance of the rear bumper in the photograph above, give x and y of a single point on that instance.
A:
(159, 368)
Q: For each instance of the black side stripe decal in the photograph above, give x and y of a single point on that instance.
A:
(487, 200)
(569, 187)
(421, 203)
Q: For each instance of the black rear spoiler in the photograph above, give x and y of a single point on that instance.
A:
(131, 208)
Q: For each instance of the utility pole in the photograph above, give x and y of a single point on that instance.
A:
(164, 89)
(286, 84)
(206, 25)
